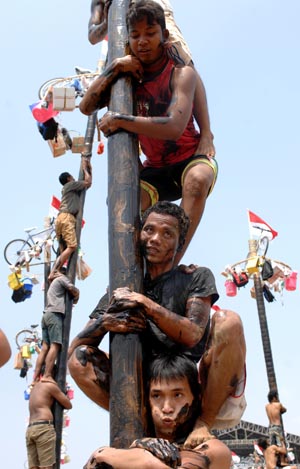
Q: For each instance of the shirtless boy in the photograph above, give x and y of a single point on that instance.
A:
(40, 433)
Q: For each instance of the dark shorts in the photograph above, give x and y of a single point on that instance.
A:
(40, 443)
(52, 327)
(166, 183)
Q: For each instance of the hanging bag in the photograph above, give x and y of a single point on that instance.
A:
(267, 270)
(240, 278)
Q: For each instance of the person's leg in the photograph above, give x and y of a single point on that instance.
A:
(32, 455)
(66, 231)
(221, 369)
(50, 360)
(89, 367)
(40, 360)
(145, 200)
(45, 444)
(197, 182)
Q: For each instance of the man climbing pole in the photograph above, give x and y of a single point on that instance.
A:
(65, 224)
(170, 323)
(174, 168)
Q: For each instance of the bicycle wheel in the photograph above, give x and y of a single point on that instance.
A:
(25, 336)
(13, 251)
(55, 245)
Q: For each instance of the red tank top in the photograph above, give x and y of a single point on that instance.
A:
(153, 98)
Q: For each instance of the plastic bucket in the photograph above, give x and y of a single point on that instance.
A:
(291, 282)
(230, 288)
(70, 394)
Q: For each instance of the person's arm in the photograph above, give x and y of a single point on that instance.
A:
(169, 127)
(282, 409)
(93, 333)
(87, 169)
(97, 29)
(5, 350)
(135, 458)
(74, 292)
(138, 458)
(97, 95)
(60, 396)
(186, 330)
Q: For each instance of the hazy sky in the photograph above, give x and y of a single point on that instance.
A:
(248, 56)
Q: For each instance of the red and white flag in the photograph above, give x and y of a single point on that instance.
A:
(259, 227)
(54, 209)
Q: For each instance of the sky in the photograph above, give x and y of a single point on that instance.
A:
(247, 55)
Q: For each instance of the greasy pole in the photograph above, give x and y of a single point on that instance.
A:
(63, 355)
(264, 330)
(127, 411)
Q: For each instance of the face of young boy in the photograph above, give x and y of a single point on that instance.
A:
(146, 41)
(170, 402)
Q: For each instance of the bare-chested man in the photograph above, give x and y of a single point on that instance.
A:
(274, 411)
(272, 453)
(173, 396)
(40, 434)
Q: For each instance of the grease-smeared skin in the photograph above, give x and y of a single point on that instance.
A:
(161, 449)
(87, 355)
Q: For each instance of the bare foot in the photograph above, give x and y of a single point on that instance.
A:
(48, 379)
(198, 436)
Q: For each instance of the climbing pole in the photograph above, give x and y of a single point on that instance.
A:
(62, 358)
(127, 410)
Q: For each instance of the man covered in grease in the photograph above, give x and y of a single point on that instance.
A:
(173, 392)
(173, 317)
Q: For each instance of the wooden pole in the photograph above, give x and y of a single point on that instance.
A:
(127, 411)
(62, 358)
(264, 330)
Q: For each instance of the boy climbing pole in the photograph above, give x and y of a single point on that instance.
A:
(174, 167)
(65, 225)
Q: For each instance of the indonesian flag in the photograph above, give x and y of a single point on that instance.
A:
(235, 457)
(54, 208)
(258, 449)
(259, 227)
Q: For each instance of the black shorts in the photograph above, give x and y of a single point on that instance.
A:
(166, 183)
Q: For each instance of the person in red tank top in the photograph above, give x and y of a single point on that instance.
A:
(164, 123)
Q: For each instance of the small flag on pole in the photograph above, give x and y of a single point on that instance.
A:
(259, 227)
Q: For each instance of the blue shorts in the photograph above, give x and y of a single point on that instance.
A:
(166, 183)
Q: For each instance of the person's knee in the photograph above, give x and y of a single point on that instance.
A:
(77, 362)
(228, 327)
(198, 181)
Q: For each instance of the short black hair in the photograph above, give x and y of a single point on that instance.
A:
(63, 178)
(168, 208)
(272, 395)
(170, 366)
(263, 443)
(148, 9)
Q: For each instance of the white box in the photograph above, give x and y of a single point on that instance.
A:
(63, 99)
